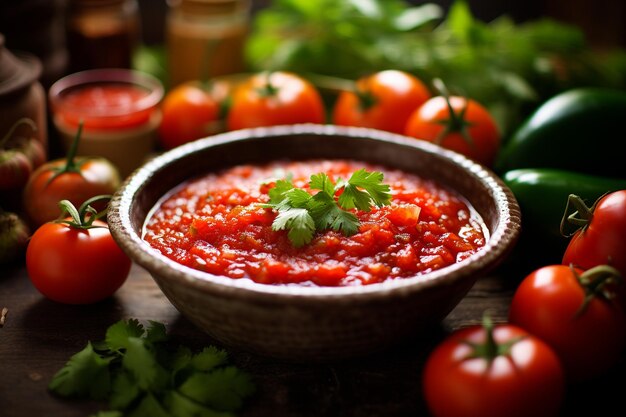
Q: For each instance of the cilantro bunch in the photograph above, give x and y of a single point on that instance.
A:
(140, 375)
(303, 214)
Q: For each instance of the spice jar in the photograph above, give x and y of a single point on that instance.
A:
(21, 94)
(205, 38)
(102, 33)
(118, 110)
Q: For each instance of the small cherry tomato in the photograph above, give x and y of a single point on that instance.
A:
(572, 312)
(190, 112)
(274, 98)
(601, 237)
(71, 178)
(457, 123)
(76, 261)
(493, 371)
(383, 100)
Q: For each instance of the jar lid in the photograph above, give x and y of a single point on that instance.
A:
(18, 70)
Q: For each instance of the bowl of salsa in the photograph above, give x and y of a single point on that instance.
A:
(314, 242)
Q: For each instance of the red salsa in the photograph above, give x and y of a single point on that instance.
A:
(105, 106)
(215, 224)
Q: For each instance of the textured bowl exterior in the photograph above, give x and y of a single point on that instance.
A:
(313, 324)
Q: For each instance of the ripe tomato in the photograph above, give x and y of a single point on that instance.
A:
(274, 98)
(588, 336)
(75, 263)
(501, 371)
(92, 176)
(189, 113)
(383, 100)
(602, 238)
(457, 123)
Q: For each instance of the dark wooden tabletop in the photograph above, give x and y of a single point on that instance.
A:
(39, 336)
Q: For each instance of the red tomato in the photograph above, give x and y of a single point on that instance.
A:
(189, 113)
(469, 130)
(549, 304)
(603, 239)
(521, 380)
(93, 176)
(76, 266)
(275, 98)
(384, 101)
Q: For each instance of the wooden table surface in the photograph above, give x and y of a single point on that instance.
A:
(39, 336)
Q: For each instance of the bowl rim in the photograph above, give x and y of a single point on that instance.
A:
(500, 242)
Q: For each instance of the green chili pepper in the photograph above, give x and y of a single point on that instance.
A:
(542, 195)
(579, 130)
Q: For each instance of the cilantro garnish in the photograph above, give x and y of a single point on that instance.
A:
(140, 374)
(302, 214)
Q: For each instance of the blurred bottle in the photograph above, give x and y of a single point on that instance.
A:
(37, 27)
(205, 38)
(102, 33)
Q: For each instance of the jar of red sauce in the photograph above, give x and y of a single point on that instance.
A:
(119, 112)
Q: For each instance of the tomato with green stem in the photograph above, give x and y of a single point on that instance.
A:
(190, 112)
(493, 371)
(600, 237)
(576, 313)
(457, 123)
(274, 98)
(75, 260)
(19, 156)
(71, 178)
(383, 100)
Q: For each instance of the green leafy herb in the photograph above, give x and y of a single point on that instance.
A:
(302, 214)
(507, 67)
(136, 370)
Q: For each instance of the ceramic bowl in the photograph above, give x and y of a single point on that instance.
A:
(319, 323)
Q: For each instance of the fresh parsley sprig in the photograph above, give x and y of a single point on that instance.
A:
(302, 213)
(139, 374)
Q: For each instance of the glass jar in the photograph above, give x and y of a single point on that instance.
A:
(205, 38)
(102, 33)
(119, 112)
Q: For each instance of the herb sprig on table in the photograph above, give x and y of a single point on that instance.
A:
(303, 214)
(138, 372)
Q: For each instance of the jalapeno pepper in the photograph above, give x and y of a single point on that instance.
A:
(578, 130)
(542, 195)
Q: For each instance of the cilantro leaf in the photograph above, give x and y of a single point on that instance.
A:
(86, 374)
(142, 364)
(277, 193)
(149, 407)
(181, 406)
(346, 222)
(303, 214)
(323, 183)
(156, 332)
(117, 335)
(299, 222)
(375, 191)
(124, 391)
(209, 358)
(223, 389)
(140, 376)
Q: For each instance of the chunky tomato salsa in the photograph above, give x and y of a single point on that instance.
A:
(216, 223)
